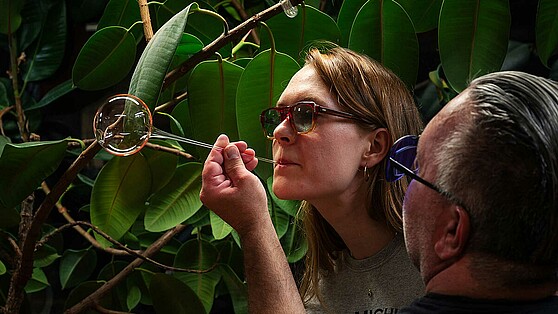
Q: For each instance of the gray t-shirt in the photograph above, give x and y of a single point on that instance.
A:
(380, 284)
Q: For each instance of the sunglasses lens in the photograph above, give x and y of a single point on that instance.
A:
(270, 119)
(403, 151)
(303, 114)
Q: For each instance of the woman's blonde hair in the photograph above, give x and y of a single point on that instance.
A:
(367, 89)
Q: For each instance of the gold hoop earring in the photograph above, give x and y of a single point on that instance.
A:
(366, 174)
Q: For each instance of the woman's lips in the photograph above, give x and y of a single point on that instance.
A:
(285, 162)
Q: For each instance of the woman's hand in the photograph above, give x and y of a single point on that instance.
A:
(229, 188)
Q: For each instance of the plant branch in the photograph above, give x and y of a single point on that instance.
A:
(237, 32)
(123, 248)
(64, 212)
(146, 19)
(14, 73)
(103, 290)
(172, 102)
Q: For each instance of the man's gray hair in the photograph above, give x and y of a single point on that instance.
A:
(501, 162)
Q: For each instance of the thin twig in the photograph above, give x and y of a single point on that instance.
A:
(171, 102)
(64, 212)
(104, 289)
(124, 248)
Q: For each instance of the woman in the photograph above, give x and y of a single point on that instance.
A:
(334, 160)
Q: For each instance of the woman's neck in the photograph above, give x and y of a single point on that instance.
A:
(362, 235)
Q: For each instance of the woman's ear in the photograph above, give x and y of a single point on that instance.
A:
(379, 143)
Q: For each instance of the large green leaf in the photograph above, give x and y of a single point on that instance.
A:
(212, 94)
(346, 17)
(2, 268)
(24, 166)
(119, 195)
(199, 255)
(37, 282)
(547, 30)
(177, 201)
(381, 29)
(237, 289)
(473, 39)
(105, 59)
(133, 298)
(46, 54)
(154, 62)
(294, 35)
(423, 13)
(173, 296)
(45, 256)
(162, 166)
(260, 86)
(10, 17)
(76, 266)
(219, 228)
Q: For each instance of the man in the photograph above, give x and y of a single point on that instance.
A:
(487, 240)
(480, 218)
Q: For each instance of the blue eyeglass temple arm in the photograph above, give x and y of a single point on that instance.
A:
(413, 176)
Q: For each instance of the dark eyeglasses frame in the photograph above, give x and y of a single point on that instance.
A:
(410, 173)
(316, 110)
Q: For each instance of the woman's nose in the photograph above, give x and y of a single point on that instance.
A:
(284, 133)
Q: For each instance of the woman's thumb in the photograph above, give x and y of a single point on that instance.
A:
(233, 163)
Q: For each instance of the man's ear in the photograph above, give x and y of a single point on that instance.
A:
(379, 143)
(454, 232)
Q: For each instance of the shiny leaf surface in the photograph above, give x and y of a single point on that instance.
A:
(164, 288)
(119, 195)
(76, 266)
(473, 38)
(24, 166)
(380, 30)
(177, 201)
(105, 59)
(199, 255)
(154, 62)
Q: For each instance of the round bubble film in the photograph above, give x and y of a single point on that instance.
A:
(122, 125)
